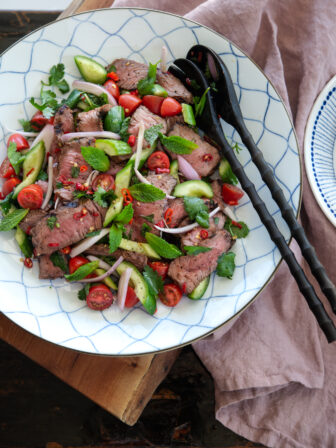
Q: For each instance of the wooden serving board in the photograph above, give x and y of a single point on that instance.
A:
(121, 385)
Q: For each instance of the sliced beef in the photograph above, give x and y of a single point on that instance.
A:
(193, 238)
(171, 121)
(43, 184)
(48, 269)
(174, 87)
(188, 271)
(217, 197)
(203, 168)
(31, 219)
(74, 224)
(64, 121)
(92, 120)
(139, 260)
(129, 72)
(164, 181)
(147, 118)
(179, 213)
(114, 167)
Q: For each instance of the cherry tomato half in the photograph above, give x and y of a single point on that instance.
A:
(160, 267)
(112, 87)
(104, 181)
(39, 120)
(158, 159)
(100, 297)
(77, 262)
(131, 298)
(31, 197)
(170, 107)
(171, 295)
(231, 194)
(19, 140)
(153, 103)
(129, 103)
(9, 185)
(6, 169)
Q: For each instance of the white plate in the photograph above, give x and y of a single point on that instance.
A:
(320, 150)
(50, 309)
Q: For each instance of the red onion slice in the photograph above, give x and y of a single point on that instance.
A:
(106, 274)
(97, 134)
(122, 288)
(186, 228)
(50, 183)
(87, 243)
(187, 170)
(102, 264)
(95, 89)
(24, 133)
(92, 177)
(228, 211)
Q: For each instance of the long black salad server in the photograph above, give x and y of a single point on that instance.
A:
(227, 105)
(208, 121)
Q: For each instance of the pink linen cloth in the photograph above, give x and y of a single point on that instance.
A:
(274, 373)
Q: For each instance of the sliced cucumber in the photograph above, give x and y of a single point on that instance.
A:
(174, 170)
(123, 178)
(140, 248)
(107, 280)
(31, 166)
(73, 98)
(197, 188)
(24, 242)
(91, 70)
(226, 173)
(140, 286)
(158, 90)
(144, 155)
(113, 147)
(113, 210)
(114, 119)
(199, 291)
(188, 114)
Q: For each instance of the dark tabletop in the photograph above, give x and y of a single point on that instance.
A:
(38, 410)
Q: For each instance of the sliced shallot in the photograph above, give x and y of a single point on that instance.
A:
(87, 243)
(227, 210)
(102, 264)
(106, 274)
(99, 134)
(47, 135)
(95, 89)
(50, 183)
(92, 177)
(24, 133)
(122, 287)
(186, 169)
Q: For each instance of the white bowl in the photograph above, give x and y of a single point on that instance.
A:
(50, 309)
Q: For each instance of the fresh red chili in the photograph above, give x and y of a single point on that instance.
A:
(131, 221)
(160, 223)
(80, 187)
(162, 170)
(236, 224)
(95, 214)
(30, 171)
(83, 168)
(184, 288)
(28, 230)
(127, 196)
(56, 150)
(77, 216)
(53, 244)
(204, 234)
(28, 263)
(168, 216)
(131, 140)
(66, 250)
(134, 92)
(207, 157)
(113, 76)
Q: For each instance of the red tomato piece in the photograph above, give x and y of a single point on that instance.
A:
(112, 87)
(100, 297)
(31, 197)
(129, 103)
(131, 298)
(170, 107)
(19, 140)
(160, 267)
(104, 181)
(153, 103)
(6, 169)
(231, 194)
(28, 263)
(77, 262)
(39, 120)
(158, 159)
(171, 295)
(9, 185)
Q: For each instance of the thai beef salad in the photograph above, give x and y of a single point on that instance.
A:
(119, 189)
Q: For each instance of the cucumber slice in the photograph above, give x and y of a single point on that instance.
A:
(91, 70)
(197, 188)
(114, 119)
(174, 170)
(158, 90)
(188, 114)
(144, 155)
(226, 173)
(24, 242)
(31, 167)
(113, 147)
(107, 280)
(140, 286)
(199, 291)
(140, 248)
(123, 178)
(113, 210)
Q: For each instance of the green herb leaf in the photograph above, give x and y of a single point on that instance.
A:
(125, 216)
(42, 175)
(56, 78)
(96, 158)
(51, 221)
(166, 250)
(26, 125)
(177, 144)
(195, 250)
(59, 261)
(74, 171)
(94, 233)
(236, 231)
(226, 173)
(149, 218)
(200, 103)
(82, 293)
(48, 103)
(146, 193)
(79, 194)
(237, 148)
(202, 218)
(115, 237)
(82, 272)
(145, 86)
(15, 157)
(103, 197)
(197, 210)
(154, 281)
(6, 204)
(124, 134)
(226, 265)
(152, 134)
(12, 220)
(59, 185)
(145, 228)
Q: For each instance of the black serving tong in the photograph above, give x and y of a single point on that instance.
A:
(227, 106)
(188, 72)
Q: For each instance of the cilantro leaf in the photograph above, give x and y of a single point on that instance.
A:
(59, 261)
(125, 216)
(82, 272)
(51, 221)
(79, 194)
(60, 185)
(7, 203)
(154, 281)
(48, 103)
(197, 210)
(145, 86)
(146, 193)
(152, 134)
(42, 175)
(102, 196)
(115, 237)
(12, 220)
(82, 293)
(15, 157)
(226, 265)
(26, 125)
(195, 250)
(56, 78)
(74, 171)
(177, 144)
(239, 231)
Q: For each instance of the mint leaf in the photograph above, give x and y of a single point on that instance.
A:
(145, 86)
(197, 210)
(146, 193)
(6, 204)
(115, 237)
(125, 216)
(124, 134)
(96, 158)
(152, 134)
(226, 265)
(166, 250)
(148, 218)
(82, 272)
(15, 157)
(202, 218)
(153, 279)
(240, 231)
(103, 197)
(195, 250)
(82, 293)
(12, 220)
(145, 228)
(51, 221)
(59, 261)
(177, 144)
